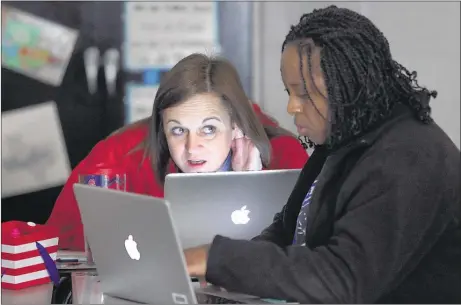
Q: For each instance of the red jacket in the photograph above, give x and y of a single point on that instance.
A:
(287, 153)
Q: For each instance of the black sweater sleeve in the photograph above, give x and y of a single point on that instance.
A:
(394, 216)
(273, 233)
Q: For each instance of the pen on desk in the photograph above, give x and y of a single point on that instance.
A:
(67, 260)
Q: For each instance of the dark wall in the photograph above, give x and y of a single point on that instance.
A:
(84, 117)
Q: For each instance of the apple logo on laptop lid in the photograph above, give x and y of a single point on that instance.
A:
(131, 247)
(240, 217)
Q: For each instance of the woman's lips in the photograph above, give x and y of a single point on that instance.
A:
(301, 129)
(196, 164)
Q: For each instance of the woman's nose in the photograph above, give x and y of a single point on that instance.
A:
(193, 143)
(294, 106)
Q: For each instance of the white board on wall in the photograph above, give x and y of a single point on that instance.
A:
(424, 36)
(159, 34)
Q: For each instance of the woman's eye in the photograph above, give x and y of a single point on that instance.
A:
(305, 97)
(177, 131)
(209, 130)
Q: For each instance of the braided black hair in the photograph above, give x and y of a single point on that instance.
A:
(363, 82)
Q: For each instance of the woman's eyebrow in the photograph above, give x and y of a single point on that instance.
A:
(211, 118)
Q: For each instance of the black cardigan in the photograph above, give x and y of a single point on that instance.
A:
(383, 225)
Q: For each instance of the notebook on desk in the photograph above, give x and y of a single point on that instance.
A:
(137, 252)
(234, 204)
(67, 260)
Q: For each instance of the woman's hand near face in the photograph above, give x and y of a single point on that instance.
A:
(245, 155)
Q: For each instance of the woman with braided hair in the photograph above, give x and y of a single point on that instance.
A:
(375, 215)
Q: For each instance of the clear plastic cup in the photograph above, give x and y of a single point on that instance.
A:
(107, 177)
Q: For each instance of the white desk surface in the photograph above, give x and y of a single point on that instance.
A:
(41, 294)
(87, 290)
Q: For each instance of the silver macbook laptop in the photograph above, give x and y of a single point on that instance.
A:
(234, 204)
(136, 250)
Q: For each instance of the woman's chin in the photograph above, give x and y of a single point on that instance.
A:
(203, 168)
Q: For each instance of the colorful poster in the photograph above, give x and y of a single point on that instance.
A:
(139, 102)
(159, 34)
(36, 47)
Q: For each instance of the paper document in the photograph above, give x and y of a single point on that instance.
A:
(139, 102)
(159, 34)
(34, 155)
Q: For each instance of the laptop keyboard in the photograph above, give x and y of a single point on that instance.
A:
(212, 299)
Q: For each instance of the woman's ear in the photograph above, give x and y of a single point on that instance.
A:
(237, 133)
